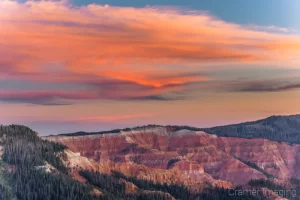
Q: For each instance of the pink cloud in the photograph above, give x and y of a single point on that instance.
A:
(125, 44)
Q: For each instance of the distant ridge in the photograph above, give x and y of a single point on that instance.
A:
(278, 128)
(81, 133)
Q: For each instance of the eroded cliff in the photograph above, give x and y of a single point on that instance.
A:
(192, 158)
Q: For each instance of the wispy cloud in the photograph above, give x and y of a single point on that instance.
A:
(267, 86)
(44, 97)
(94, 90)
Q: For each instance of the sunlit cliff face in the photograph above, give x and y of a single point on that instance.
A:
(131, 65)
(184, 157)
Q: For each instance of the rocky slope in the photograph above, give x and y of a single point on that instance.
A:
(193, 158)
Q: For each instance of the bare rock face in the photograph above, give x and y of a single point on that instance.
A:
(130, 187)
(183, 157)
(278, 159)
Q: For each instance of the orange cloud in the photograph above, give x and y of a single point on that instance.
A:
(127, 44)
(95, 90)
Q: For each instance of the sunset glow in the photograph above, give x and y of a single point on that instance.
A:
(65, 64)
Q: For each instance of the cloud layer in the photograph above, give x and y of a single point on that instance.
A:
(268, 86)
(124, 53)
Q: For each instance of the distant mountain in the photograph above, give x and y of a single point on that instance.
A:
(81, 133)
(277, 128)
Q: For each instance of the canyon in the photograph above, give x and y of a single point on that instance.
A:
(195, 159)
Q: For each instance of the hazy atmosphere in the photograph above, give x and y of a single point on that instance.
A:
(94, 64)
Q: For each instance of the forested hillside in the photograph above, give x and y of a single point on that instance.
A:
(23, 168)
(278, 128)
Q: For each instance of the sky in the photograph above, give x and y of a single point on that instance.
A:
(92, 65)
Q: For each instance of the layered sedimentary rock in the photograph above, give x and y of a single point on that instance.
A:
(184, 157)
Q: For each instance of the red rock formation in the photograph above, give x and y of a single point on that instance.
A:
(191, 158)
